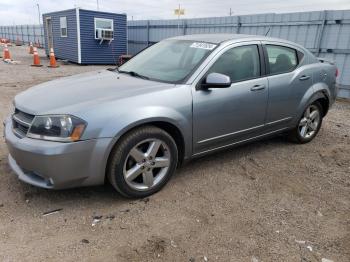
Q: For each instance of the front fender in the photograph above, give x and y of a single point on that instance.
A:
(121, 124)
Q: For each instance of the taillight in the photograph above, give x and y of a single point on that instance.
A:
(336, 72)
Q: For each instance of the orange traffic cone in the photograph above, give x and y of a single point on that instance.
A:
(31, 51)
(36, 58)
(6, 54)
(52, 59)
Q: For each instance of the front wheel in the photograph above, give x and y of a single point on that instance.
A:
(309, 124)
(142, 162)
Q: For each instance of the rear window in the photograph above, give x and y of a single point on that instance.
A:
(281, 59)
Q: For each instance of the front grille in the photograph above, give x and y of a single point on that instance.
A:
(21, 123)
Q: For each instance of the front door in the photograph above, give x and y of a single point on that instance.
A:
(49, 32)
(223, 116)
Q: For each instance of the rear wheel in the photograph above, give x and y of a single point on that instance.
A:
(143, 162)
(309, 124)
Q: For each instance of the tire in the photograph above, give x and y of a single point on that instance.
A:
(136, 168)
(308, 125)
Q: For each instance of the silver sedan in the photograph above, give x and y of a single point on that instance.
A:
(178, 99)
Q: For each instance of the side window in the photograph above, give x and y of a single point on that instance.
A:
(281, 59)
(63, 26)
(239, 63)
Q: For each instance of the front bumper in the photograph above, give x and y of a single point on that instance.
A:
(56, 165)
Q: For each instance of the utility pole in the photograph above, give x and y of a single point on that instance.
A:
(179, 12)
(230, 11)
(39, 13)
(41, 27)
(98, 6)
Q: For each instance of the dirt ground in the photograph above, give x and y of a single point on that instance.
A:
(267, 201)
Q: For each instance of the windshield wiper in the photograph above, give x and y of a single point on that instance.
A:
(113, 69)
(133, 73)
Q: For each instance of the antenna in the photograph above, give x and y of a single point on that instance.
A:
(268, 30)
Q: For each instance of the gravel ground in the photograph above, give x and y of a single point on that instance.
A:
(266, 201)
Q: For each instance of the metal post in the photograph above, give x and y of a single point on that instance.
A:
(178, 21)
(22, 34)
(238, 24)
(34, 35)
(184, 26)
(320, 34)
(147, 28)
(28, 34)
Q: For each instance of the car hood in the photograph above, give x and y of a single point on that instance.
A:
(77, 92)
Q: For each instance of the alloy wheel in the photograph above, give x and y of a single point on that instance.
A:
(147, 164)
(310, 122)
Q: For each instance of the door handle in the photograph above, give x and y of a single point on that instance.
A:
(257, 87)
(303, 78)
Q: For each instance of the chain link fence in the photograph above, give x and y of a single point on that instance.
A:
(24, 34)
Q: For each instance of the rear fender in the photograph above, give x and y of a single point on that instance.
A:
(317, 91)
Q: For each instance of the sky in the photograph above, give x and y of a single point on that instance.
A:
(15, 12)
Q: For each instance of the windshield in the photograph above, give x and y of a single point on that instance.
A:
(168, 61)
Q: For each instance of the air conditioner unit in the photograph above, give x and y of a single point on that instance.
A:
(104, 34)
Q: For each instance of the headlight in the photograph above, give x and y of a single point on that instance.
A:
(61, 128)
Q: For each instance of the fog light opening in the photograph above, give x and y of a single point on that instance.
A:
(49, 182)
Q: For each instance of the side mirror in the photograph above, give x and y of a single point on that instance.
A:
(216, 80)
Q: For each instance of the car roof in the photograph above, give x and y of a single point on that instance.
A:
(220, 38)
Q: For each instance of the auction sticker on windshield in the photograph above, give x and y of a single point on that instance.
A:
(203, 46)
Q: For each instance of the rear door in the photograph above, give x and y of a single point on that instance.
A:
(289, 78)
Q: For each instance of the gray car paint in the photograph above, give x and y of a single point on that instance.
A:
(113, 103)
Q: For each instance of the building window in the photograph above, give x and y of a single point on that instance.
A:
(104, 28)
(63, 26)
